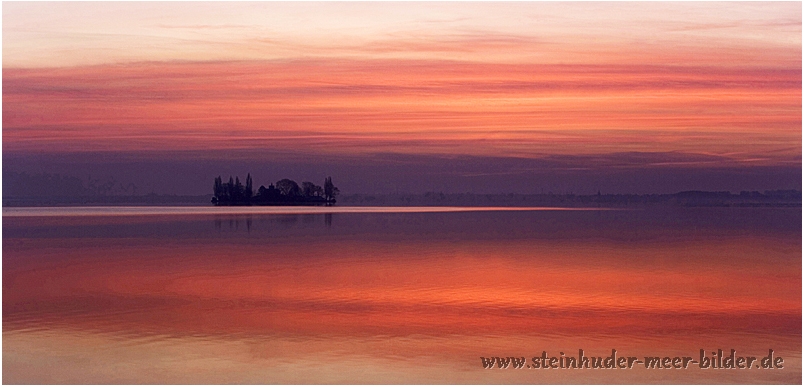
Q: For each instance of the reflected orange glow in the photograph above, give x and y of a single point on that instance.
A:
(409, 296)
(473, 288)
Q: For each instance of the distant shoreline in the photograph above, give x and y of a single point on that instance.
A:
(787, 198)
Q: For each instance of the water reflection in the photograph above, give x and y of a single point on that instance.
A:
(245, 222)
(233, 221)
(395, 297)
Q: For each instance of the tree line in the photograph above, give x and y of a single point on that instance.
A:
(284, 192)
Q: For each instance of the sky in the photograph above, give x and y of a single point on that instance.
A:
(482, 97)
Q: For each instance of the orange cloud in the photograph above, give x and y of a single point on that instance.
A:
(423, 107)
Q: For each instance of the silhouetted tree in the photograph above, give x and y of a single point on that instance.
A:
(311, 190)
(230, 193)
(218, 188)
(249, 191)
(239, 190)
(288, 188)
(330, 190)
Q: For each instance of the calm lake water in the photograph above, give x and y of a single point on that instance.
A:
(386, 295)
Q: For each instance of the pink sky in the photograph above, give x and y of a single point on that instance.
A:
(490, 79)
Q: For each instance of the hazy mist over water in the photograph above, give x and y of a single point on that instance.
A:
(188, 173)
(337, 296)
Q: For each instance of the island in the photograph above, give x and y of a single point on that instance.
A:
(285, 192)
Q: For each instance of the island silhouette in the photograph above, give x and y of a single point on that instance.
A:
(23, 189)
(286, 192)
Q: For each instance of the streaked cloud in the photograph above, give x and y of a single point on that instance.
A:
(421, 107)
(719, 83)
